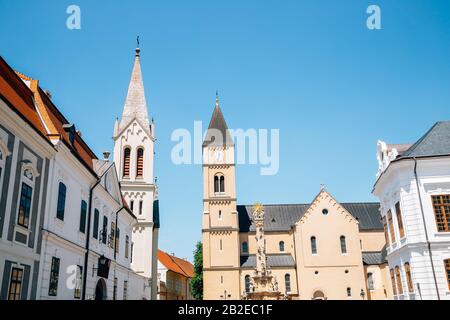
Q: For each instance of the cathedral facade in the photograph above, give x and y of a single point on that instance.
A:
(319, 250)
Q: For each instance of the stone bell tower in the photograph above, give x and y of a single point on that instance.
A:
(220, 233)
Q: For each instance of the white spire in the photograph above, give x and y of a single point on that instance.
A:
(135, 103)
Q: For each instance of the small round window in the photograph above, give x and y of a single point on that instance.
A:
(325, 212)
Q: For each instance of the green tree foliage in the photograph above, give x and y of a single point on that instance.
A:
(197, 279)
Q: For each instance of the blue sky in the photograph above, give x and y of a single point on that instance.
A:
(309, 68)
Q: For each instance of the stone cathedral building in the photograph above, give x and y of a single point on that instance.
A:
(319, 250)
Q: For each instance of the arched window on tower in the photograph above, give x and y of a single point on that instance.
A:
(126, 162)
(140, 163)
(281, 245)
(219, 183)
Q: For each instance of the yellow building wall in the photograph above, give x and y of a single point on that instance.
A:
(330, 270)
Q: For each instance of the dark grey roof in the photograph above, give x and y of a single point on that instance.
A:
(435, 142)
(218, 134)
(273, 260)
(374, 257)
(367, 213)
(282, 217)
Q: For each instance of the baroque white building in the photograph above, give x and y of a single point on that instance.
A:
(66, 231)
(413, 185)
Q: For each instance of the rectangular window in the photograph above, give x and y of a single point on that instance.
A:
(447, 271)
(391, 226)
(394, 287)
(15, 284)
(132, 206)
(96, 220)
(125, 290)
(370, 281)
(78, 281)
(115, 289)
(54, 277)
(83, 213)
(141, 203)
(23, 218)
(131, 255)
(441, 206)
(127, 243)
(398, 211)
(386, 234)
(105, 229)
(61, 201)
(112, 241)
(117, 240)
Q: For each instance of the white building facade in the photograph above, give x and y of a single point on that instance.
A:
(66, 232)
(413, 186)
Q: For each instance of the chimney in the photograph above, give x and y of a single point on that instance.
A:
(106, 155)
(48, 93)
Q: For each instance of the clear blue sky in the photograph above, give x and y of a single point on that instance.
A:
(310, 68)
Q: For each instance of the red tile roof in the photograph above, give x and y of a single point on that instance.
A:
(180, 266)
(19, 97)
(35, 107)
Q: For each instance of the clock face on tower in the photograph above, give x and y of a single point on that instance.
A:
(219, 155)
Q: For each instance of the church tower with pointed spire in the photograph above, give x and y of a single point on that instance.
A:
(220, 234)
(134, 140)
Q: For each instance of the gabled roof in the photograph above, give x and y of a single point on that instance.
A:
(218, 134)
(436, 142)
(180, 266)
(273, 260)
(284, 216)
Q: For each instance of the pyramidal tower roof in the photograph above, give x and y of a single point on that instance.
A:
(135, 103)
(218, 134)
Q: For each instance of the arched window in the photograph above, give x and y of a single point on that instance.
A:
(244, 247)
(219, 183)
(343, 245)
(220, 214)
(394, 287)
(408, 277)
(349, 292)
(281, 245)
(61, 201)
(247, 283)
(221, 245)
(313, 245)
(398, 279)
(287, 282)
(126, 162)
(140, 163)
(370, 285)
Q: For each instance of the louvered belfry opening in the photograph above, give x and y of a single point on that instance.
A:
(126, 163)
(140, 163)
